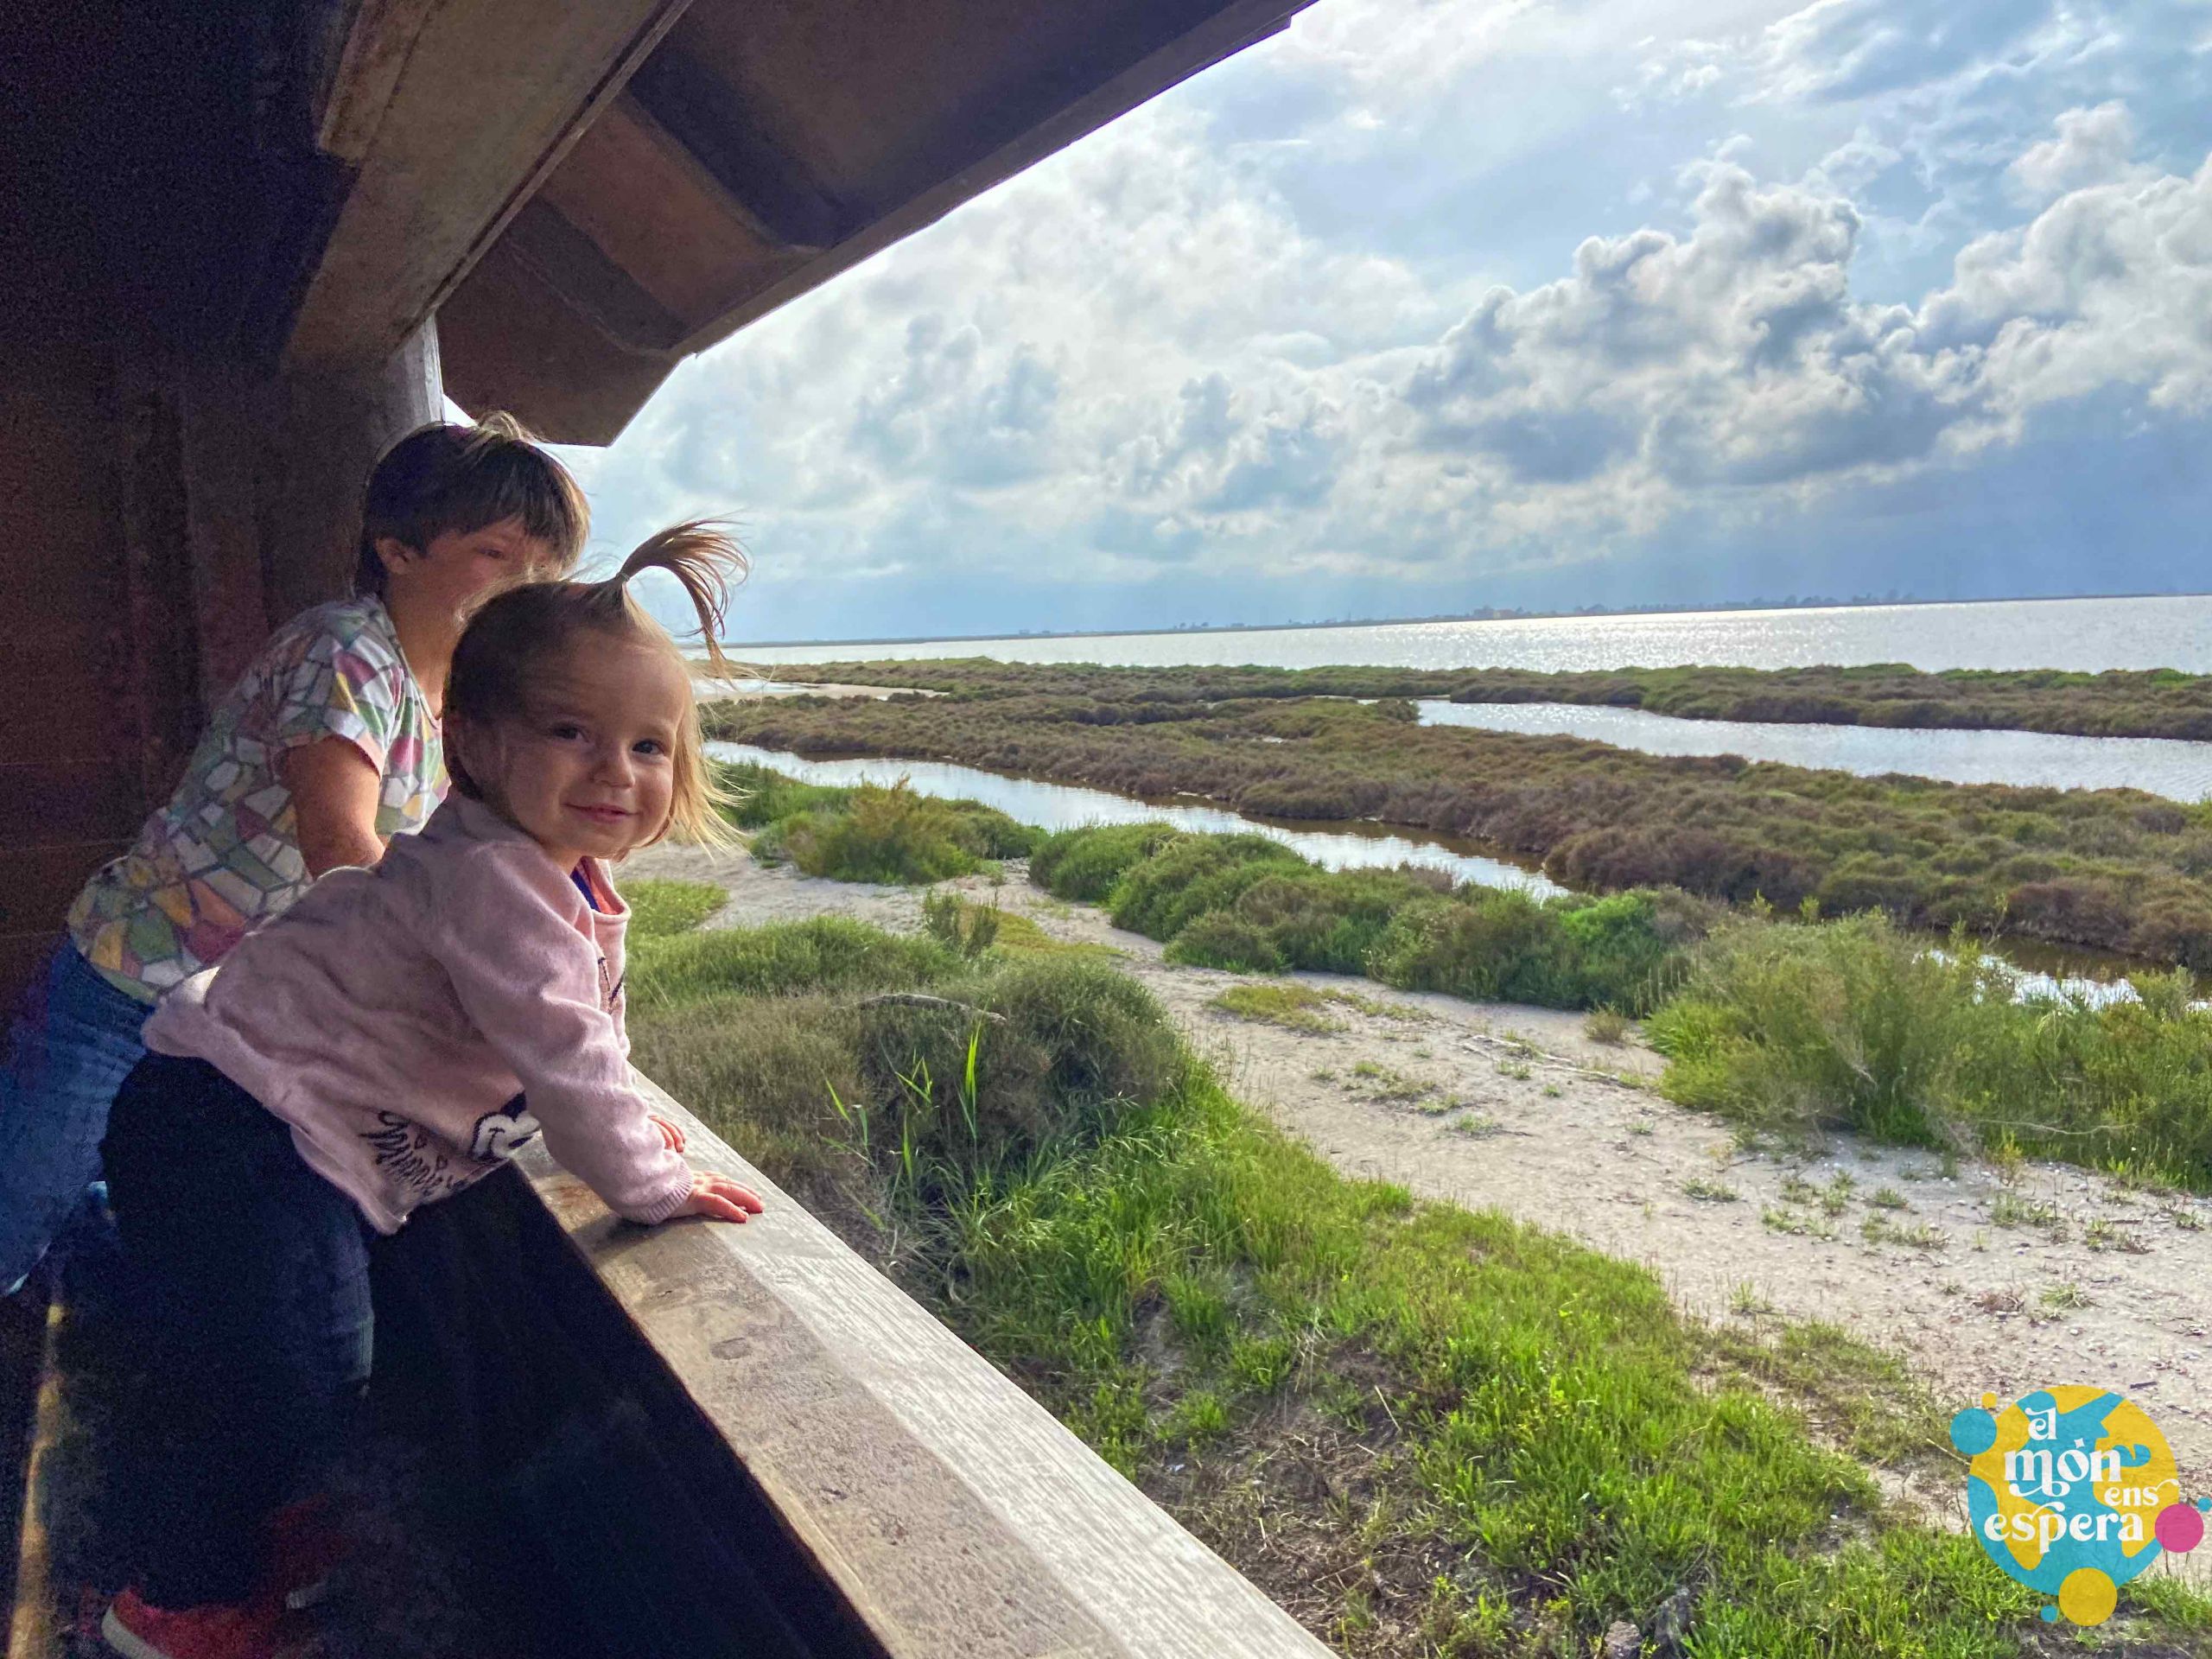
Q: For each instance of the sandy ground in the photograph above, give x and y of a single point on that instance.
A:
(1521, 1112)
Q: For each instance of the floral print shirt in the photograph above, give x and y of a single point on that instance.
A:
(224, 853)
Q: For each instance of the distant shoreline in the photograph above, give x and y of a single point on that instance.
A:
(1749, 607)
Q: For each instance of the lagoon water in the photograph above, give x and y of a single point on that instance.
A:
(2167, 767)
(2165, 631)
(1066, 806)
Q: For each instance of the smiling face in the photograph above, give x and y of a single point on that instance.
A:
(589, 767)
(458, 566)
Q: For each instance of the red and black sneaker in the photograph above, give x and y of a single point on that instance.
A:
(136, 1630)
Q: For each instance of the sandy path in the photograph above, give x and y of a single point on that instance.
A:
(1525, 1114)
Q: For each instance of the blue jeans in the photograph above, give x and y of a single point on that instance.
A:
(73, 1040)
(247, 1291)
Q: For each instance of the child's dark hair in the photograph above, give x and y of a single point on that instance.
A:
(518, 630)
(444, 477)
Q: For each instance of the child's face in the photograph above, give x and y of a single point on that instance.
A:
(459, 566)
(590, 766)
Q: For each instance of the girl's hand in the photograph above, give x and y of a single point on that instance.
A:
(670, 1135)
(719, 1198)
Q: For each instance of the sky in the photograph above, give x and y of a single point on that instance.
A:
(1427, 307)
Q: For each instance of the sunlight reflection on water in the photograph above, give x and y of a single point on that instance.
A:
(2167, 631)
(2163, 765)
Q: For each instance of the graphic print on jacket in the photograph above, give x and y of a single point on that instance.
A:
(506, 1132)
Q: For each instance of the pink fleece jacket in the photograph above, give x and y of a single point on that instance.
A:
(393, 1016)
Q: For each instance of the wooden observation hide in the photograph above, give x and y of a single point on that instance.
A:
(246, 246)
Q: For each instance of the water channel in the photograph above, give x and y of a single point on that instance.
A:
(2037, 970)
(2169, 766)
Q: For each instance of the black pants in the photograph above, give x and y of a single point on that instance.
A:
(247, 1282)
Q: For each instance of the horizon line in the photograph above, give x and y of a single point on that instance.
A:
(1493, 615)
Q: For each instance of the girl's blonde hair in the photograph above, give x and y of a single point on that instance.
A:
(515, 632)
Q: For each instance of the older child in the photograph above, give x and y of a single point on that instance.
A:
(327, 747)
(372, 1051)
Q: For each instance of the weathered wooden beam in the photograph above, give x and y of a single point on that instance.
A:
(485, 99)
(955, 1516)
(594, 286)
(702, 119)
(377, 39)
(1221, 34)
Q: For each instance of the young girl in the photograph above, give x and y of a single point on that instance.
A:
(371, 1051)
(326, 748)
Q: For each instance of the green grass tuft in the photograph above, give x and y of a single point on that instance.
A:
(1293, 1007)
(662, 909)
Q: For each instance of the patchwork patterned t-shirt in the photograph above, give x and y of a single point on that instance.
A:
(224, 852)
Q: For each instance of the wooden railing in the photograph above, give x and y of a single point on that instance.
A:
(853, 1478)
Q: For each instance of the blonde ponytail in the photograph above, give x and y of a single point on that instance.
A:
(707, 562)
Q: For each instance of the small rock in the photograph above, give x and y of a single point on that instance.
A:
(1671, 1622)
(1623, 1640)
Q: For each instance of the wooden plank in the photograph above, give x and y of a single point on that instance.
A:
(62, 680)
(654, 208)
(38, 884)
(61, 582)
(490, 96)
(1223, 32)
(511, 342)
(589, 283)
(80, 798)
(710, 121)
(34, 1435)
(382, 33)
(953, 1513)
(29, 1424)
(222, 413)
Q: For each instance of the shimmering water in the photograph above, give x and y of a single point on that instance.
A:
(2161, 632)
(2162, 765)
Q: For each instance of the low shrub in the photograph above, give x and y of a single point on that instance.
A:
(1500, 944)
(1327, 920)
(872, 1068)
(1249, 905)
(1853, 1023)
(1193, 874)
(868, 833)
(1501, 948)
(1221, 938)
(969, 930)
(896, 835)
(1845, 1024)
(761, 794)
(1084, 865)
(827, 953)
